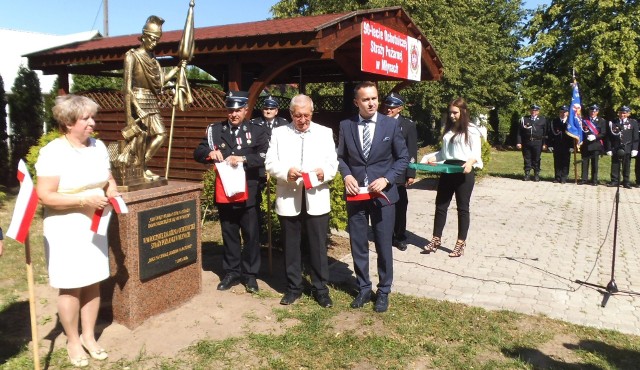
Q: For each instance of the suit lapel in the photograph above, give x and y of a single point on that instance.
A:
(355, 134)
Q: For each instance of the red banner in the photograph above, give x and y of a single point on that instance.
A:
(388, 52)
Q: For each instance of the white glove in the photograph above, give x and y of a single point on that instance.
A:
(609, 153)
(591, 137)
(570, 150)
(634, 153)
(550, 149)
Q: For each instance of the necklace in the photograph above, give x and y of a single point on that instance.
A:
(76, 148)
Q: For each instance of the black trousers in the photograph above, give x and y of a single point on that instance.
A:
(460, 184)
(531, 152)
(637, 169)
(239, 259)
(561, 161)
(382, 223)
(615, 168)
(402, 204)
(315, 228)
(590, 159)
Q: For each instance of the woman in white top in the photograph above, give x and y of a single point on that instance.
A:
(74, 179)
(461, 145)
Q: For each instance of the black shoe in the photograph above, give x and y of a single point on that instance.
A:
(361, 299)
(595, 183)
(626, 185)
(555, 181)
(228, 281)
(290, 297)
(526, 177)
(583, 182)
(563, 181)
(323, 300)
(382, 303)
(612, 184)
(401, 245)
(251, 285)
(536, 177)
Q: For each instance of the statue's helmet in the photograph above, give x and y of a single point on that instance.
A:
(153, 26)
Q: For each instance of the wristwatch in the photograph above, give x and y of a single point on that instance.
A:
(244, 159)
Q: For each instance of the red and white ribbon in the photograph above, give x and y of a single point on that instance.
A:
(100, 219)
(364, 194)
(310, 180)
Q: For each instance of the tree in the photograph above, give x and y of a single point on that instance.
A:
(477, 41)
(25, 115)
(4, 145)
(599, 39)
(87, 82)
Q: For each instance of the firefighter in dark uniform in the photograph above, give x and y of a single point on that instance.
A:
(531, 138)
(239, 143)
(560, 144)
(594, 131)
(393, 105)
(269, 120)
(622, 144)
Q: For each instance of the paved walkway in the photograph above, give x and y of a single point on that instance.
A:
(527, 244)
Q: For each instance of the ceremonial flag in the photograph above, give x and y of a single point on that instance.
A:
(25, 208)
(574, 124)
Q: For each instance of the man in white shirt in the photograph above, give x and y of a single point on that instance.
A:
(302, 157)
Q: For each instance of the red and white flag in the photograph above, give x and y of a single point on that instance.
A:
(26, 205)
(310, 180)
(100, 220)
(364, 194)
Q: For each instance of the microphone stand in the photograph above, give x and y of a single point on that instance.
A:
(612, 287)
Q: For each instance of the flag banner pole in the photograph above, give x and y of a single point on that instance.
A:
(575, 160)
(32, 305)
(269, 242)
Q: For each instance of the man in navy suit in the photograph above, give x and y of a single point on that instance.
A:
(372, 154)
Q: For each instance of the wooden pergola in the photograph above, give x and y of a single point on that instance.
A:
(245, 56)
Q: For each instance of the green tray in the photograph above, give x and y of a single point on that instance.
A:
(437, 167)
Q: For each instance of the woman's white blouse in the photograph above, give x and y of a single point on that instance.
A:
(459, 149)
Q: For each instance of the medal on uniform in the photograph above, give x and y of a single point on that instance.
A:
(239, 142)
(244, 128)
(223, 145)
(248, 135)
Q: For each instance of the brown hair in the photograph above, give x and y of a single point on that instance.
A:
(363, 85)
(70, 108)
(462, 126)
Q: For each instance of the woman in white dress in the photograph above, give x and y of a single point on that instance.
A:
(73, 180)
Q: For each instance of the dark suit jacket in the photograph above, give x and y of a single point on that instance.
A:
(254, 143)
(596, 145)
(621, 136)
(410, 135)
(388, 156)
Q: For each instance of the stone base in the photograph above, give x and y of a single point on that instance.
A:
(165, 249)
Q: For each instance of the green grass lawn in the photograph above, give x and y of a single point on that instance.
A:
(414, 333)
(510, 164)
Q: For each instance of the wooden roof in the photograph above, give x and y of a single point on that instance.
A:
(249, 56)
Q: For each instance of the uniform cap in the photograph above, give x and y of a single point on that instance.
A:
(394, 100)
(270, 102)
(535, 107)
(625, 109)
(594, 107)
(236, 99)
(564, 108)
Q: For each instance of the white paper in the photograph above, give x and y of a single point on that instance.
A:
(233, 178)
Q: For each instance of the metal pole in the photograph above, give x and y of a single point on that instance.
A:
(105, 17)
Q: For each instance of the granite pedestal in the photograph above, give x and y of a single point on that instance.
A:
(154, 252)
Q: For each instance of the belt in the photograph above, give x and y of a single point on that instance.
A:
(535, 138)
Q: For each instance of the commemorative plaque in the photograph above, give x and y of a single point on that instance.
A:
(167, 238)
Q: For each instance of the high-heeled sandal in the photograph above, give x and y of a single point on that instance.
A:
(433, 246)
(99, 354)
(458, 250)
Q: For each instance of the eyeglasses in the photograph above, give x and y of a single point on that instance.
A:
(298, 116)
